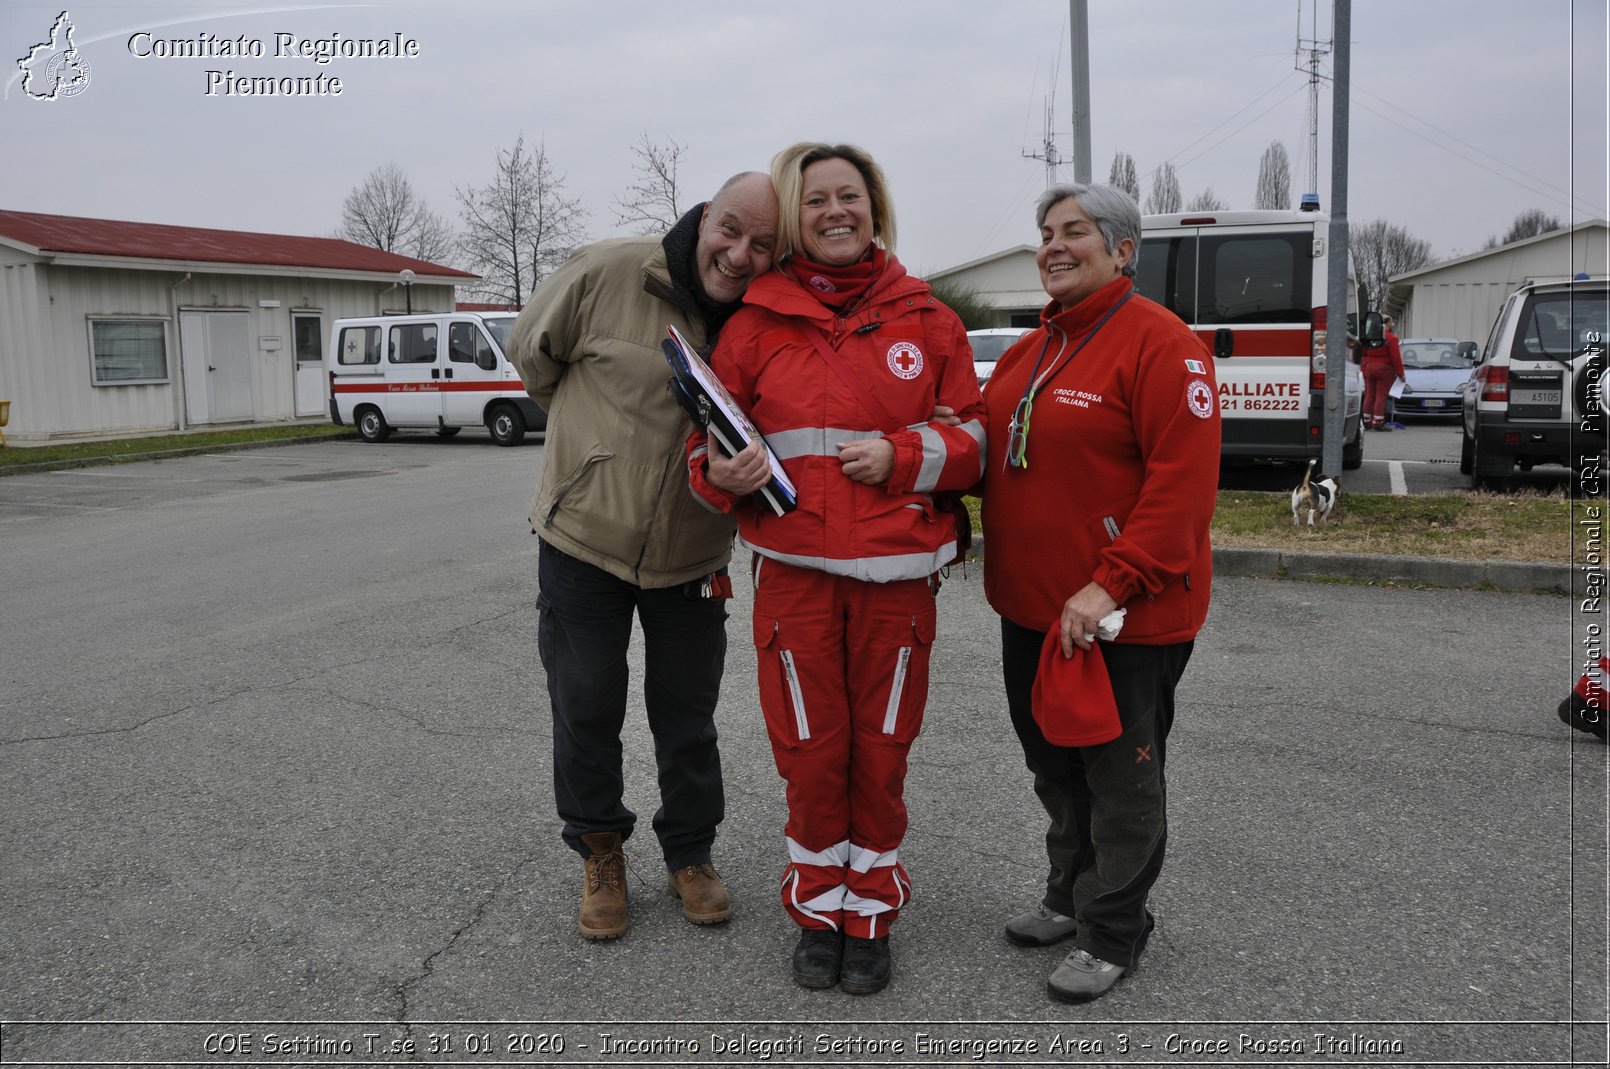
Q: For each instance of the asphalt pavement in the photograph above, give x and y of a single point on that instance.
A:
(275, 756)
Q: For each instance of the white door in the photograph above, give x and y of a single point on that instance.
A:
(468, 384)
(413, 395)
(217, 366)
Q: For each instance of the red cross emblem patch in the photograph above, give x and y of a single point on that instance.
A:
(905, 360)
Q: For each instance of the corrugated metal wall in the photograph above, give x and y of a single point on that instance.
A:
(22, 331)
(1462, 300)
(45, 361)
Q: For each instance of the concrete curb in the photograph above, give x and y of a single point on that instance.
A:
(1401, 571)
(165, 454)
(1516, 576)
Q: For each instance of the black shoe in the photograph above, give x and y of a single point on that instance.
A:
(1576, 712)
(817, 958)
(866, 965)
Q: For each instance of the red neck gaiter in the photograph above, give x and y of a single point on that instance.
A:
(839, 287)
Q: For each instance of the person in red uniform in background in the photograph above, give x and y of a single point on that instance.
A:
(845, 583)
(1585, 708)
(1381, 367)
(1100, 483)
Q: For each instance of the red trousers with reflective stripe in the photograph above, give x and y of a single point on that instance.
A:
(843, 682)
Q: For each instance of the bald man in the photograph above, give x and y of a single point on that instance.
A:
(621, 536)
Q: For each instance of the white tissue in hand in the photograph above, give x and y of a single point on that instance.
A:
(1109, 626)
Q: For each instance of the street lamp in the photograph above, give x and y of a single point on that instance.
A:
(407, 277)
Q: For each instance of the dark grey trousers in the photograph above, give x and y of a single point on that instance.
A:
(1107, 804)
(584, 626)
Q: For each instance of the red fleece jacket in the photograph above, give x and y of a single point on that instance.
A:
(1123, 452)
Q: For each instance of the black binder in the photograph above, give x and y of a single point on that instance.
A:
(702, 396)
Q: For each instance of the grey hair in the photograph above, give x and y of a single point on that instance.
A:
(1113, 211)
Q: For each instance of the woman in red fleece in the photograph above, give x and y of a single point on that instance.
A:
(1381, 367)
(1100, 481)
(840, 358)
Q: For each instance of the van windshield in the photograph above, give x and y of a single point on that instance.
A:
(500, 326)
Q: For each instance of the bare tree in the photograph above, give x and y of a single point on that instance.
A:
(1274, 178)
(1381, 250)
(1206, 201)
(384, 212)
(1165, 194)
(434, 240)
(1123, 175)
(520, 226)
(1528, 224)
(652, 203)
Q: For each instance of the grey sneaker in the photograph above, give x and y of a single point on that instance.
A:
(1082, 977)
(1040, 927)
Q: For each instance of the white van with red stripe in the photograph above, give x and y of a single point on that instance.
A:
(440, 372)
(1252, 285)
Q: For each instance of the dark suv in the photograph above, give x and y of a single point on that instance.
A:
(1538, 395)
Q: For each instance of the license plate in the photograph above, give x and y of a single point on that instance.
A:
(1431, 403)
(1534, 397)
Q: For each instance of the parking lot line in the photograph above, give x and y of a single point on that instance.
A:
(1394, 469)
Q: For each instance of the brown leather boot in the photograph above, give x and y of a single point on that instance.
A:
(704, 897)
(603, 896)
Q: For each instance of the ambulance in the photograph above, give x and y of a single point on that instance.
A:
(439, 372)
(1252, 285)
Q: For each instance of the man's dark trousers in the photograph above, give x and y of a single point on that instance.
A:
(584, 626)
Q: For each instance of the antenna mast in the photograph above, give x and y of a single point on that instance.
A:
(1316, 50)
(1048, 152)
(1048, 147)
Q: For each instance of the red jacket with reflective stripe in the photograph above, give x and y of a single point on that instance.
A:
(911, 353)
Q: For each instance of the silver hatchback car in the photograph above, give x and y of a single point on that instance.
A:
(1434, 369)
(989, 344)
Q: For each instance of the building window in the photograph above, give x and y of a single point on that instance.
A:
(309, 338)
(129, 351)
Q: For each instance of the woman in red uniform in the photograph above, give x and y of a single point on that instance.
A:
(840, 358)
(1099, 487)
(1381, 367)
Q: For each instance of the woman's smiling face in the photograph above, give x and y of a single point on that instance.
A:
(835, 212)
(1073, 258)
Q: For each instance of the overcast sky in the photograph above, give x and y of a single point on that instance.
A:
(1465, 112)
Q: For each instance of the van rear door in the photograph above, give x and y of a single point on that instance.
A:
(1247, 292)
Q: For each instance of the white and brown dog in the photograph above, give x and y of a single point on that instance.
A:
(1315, 498)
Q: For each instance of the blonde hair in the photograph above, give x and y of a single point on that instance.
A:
(788, 175)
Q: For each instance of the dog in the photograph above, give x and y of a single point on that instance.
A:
(1315, 498)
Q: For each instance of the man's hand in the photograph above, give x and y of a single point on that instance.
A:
(869, 461)
(1082, 614)
(945, 416)
(739, 475)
